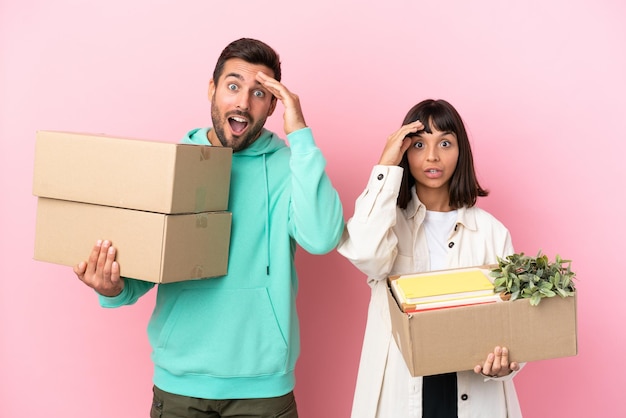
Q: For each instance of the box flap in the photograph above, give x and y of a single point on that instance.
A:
(400, 330)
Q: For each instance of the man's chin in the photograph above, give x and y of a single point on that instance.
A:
(236, 143)
(241, 140)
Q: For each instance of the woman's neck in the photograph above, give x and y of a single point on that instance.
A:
(436, 200)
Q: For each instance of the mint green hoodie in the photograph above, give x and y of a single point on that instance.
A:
(237, 336)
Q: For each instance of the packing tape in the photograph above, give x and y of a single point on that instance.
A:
(197, 271)
(202, 220)
(205, 153)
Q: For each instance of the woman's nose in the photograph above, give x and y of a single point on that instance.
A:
(433, 154)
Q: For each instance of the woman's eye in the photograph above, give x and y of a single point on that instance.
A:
(446, 143)
(232, 87)
(259, 93)
(419, 145)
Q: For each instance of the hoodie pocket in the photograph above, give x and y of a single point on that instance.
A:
(225, 333)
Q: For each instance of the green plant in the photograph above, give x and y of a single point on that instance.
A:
(521, 276)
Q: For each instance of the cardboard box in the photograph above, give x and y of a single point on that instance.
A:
(456, 339)
(151, 246)
(131, 173)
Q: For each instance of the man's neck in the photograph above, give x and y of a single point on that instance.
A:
(213, 139)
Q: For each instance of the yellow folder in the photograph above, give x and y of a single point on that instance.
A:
(447, 284)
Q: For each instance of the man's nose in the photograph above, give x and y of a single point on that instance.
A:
(243, 102)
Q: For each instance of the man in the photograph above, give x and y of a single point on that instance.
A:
(228, 346)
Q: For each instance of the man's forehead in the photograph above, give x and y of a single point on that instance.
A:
(243, 70)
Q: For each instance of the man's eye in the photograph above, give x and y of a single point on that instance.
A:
(259, 93)
(232, 87)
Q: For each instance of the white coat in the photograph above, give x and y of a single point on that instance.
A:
(382, 239)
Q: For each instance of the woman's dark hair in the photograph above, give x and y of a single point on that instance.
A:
(249, 50)
(464, 186)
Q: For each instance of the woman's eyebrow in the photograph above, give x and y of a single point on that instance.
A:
(420, 133)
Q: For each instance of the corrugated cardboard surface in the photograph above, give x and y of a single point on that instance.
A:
(131, 173)
(151, 246)
(456, 339)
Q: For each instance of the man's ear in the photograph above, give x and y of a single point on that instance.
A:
(272, 106)
(211, 89)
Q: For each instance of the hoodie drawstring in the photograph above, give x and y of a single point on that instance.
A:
(267, 217)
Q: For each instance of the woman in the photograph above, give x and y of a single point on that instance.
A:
(417, 214)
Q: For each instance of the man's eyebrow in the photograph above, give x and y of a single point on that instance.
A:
(236, 75)
(240, 78)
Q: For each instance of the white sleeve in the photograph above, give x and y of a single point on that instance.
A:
(368, 240)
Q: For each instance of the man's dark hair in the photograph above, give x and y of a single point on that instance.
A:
(464, 186)
(249, 50)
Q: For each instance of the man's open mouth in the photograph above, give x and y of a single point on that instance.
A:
(237, 124)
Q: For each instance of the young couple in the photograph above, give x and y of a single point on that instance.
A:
(211, 359)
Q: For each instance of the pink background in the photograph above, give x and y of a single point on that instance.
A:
(540, 85)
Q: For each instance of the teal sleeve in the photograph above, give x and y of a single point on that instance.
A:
(133, 290)
(316, 213)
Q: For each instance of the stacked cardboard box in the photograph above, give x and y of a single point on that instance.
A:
(163, 205)
(459, 338)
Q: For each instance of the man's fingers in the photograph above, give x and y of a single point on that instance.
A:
(79, 269)
(109, 258)
(102, 256)
(86, 271)
(267, 81)
(278, 89)
(92, 261)
(115, 273)
(101, 272)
